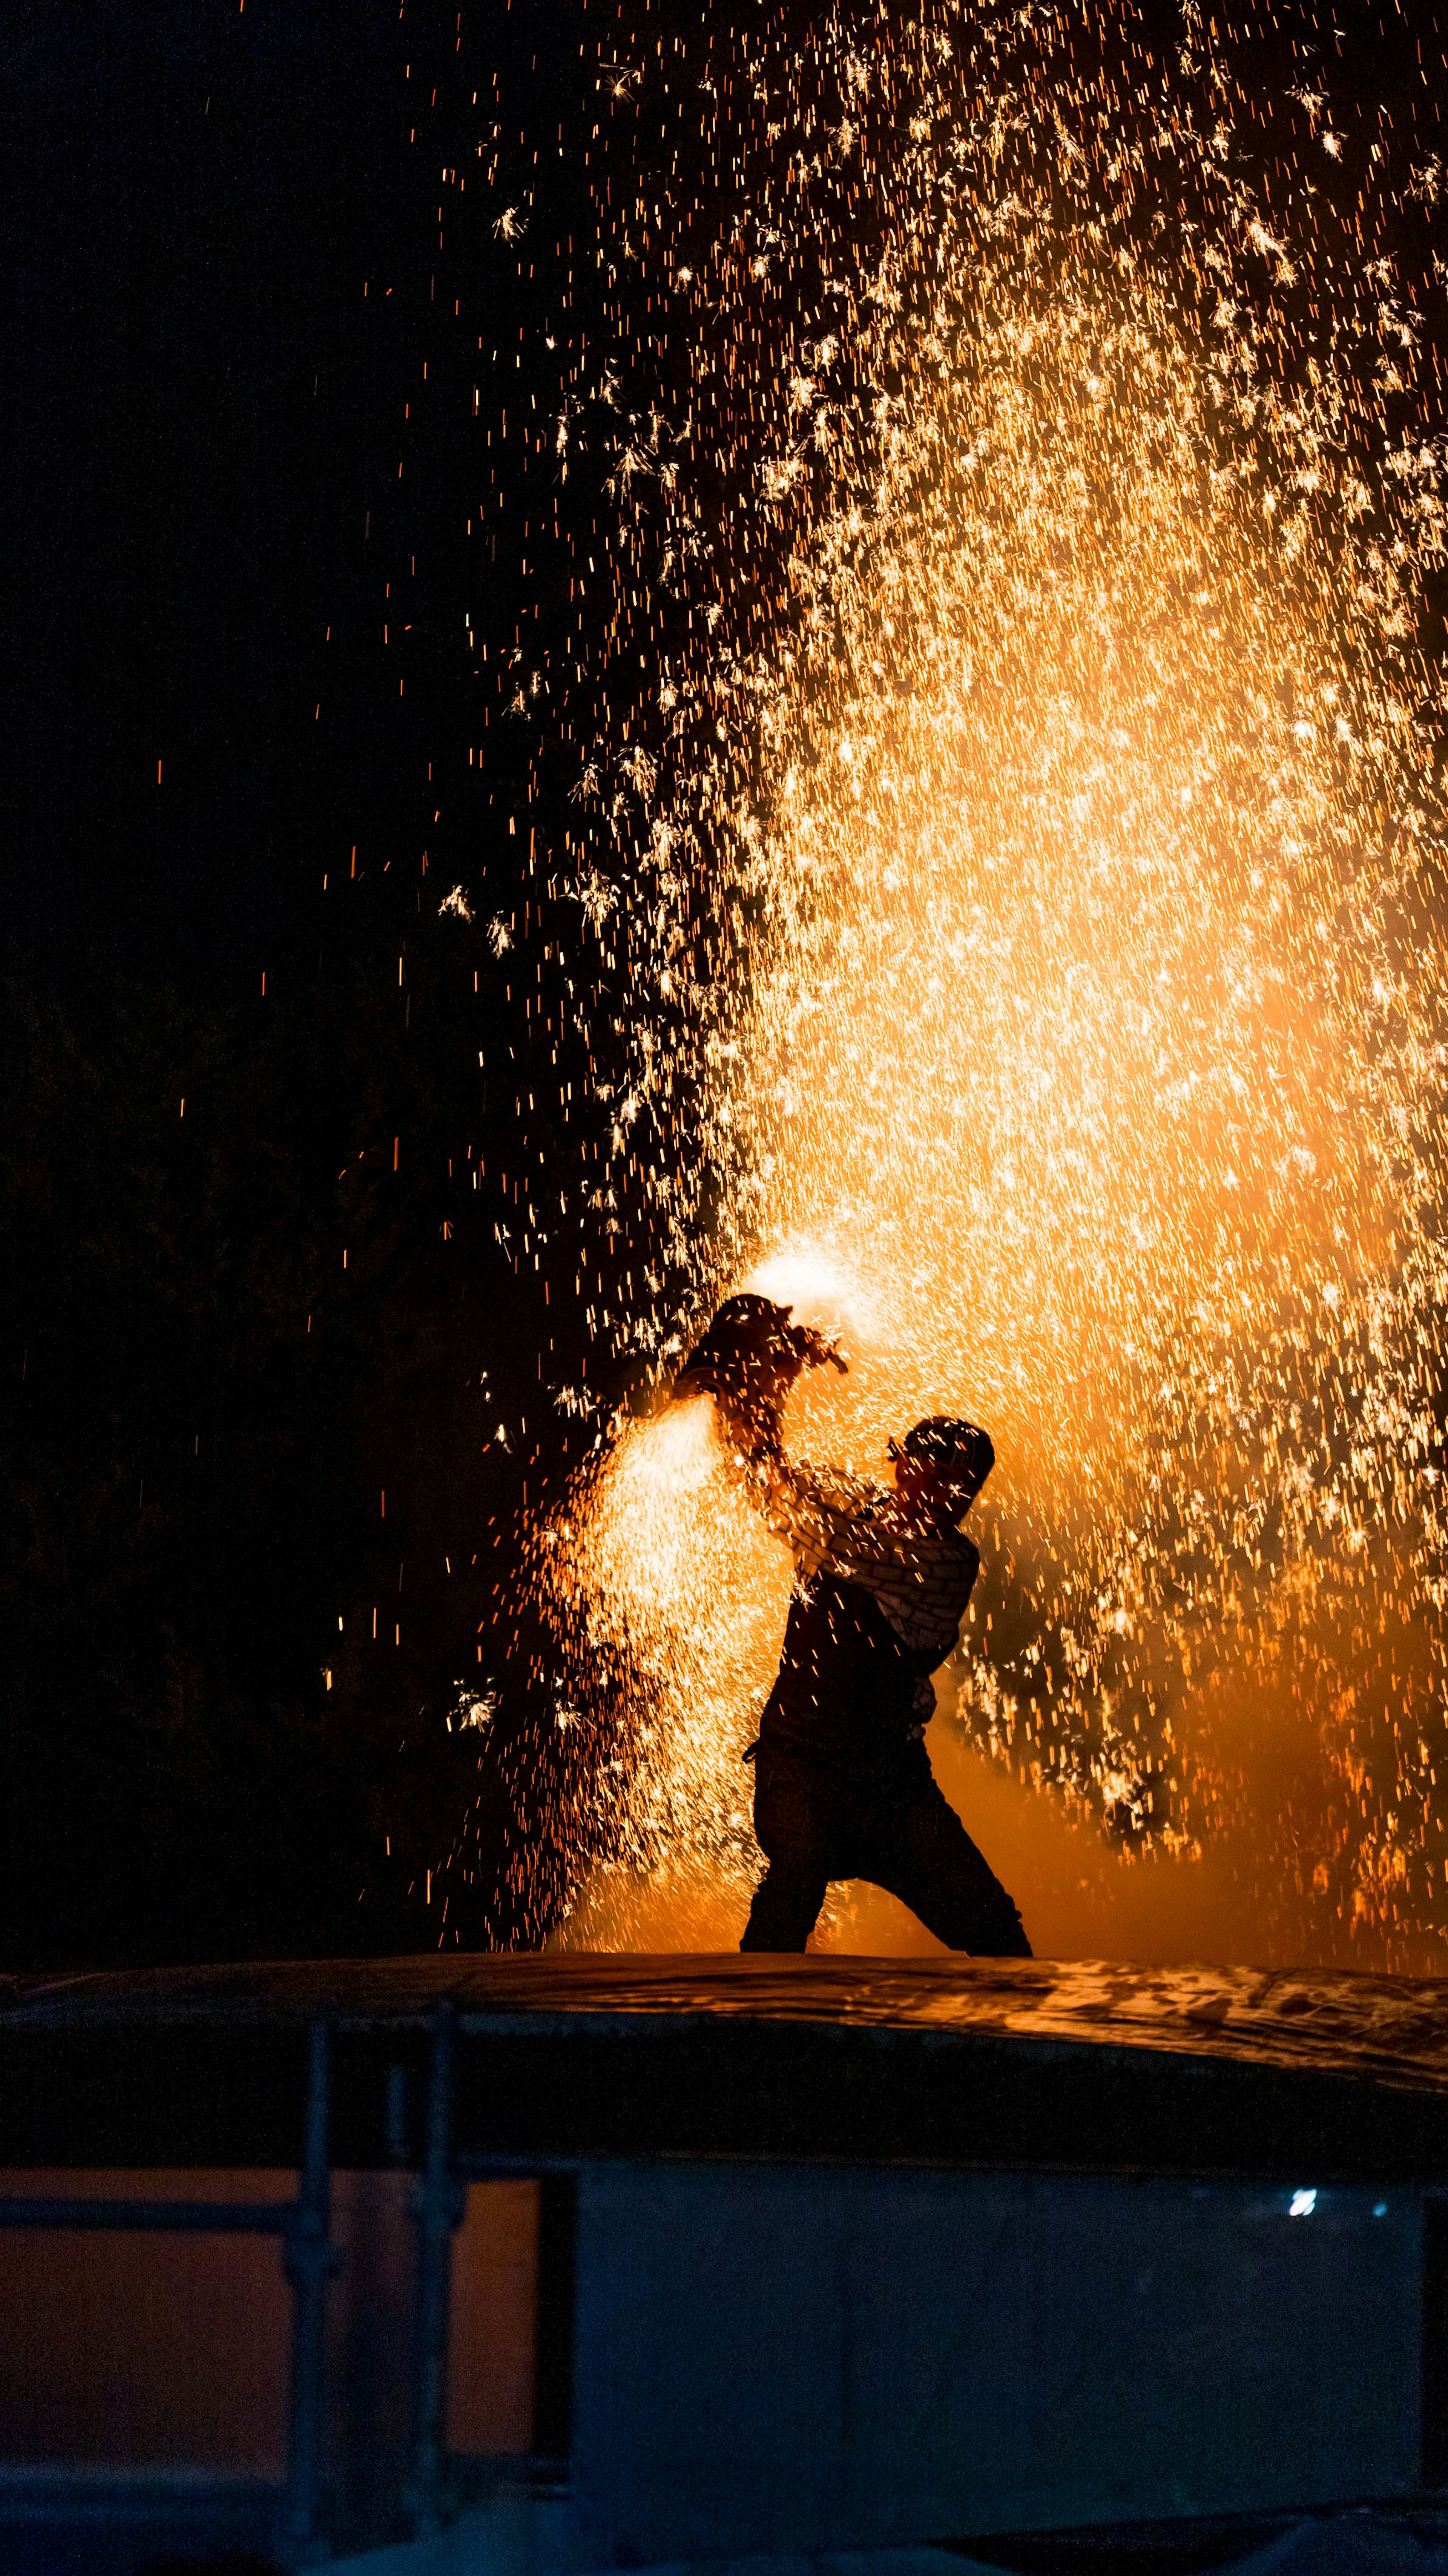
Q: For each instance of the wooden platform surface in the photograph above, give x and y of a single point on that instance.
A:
(1379, 2029)
(1079, 2065)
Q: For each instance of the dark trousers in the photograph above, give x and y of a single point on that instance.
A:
(900, 1835)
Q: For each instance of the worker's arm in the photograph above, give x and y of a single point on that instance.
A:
(813, 1510)
(860, 1533)
(840, 1525)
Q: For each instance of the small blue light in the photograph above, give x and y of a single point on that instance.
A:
(1380, 2209)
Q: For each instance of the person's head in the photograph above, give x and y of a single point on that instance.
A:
(942, 1464)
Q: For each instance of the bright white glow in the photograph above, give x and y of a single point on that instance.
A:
(816, 1287)
(1303, 2204)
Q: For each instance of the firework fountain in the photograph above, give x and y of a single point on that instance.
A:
(1027, 865)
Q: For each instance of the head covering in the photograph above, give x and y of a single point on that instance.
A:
(961, 1454)
(748, 1335)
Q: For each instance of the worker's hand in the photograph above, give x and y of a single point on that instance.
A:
(751, 1417)
(751, 1387)
(820, 1350)
(753, 1407)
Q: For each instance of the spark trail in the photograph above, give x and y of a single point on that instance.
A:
(1029, 863)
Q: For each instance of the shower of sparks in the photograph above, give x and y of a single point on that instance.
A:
(1029, 874)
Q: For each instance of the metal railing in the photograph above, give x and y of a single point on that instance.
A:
(438, 2202)
(309, 2260)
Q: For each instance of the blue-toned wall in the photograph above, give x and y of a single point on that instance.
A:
(808, 2358)
(773, 2357)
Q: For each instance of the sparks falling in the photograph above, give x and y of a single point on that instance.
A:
(1028, 862)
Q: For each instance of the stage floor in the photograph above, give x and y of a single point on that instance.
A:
(1389, 2030)
(1085, 2064)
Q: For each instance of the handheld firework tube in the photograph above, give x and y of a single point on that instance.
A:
(748, 1360)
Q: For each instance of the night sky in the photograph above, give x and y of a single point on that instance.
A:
(285, 534)
(259, 1347)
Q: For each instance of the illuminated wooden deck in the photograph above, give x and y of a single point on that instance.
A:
(1080, 2064)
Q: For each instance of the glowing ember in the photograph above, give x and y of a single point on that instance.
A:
(1041, 900)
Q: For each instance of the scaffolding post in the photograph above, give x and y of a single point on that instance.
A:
(309, 2258)
(439, 2200)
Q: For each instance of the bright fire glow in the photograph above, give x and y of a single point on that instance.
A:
(1067, 1025)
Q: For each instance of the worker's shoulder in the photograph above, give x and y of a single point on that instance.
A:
(951, 1548)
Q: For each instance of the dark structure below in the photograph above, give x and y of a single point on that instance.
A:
(818, 2255)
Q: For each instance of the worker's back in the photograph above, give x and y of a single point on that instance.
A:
(846, 1684)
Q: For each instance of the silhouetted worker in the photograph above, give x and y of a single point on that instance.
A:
(843, 1783)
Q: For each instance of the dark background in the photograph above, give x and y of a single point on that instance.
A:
(256, 1351)
(269, 589)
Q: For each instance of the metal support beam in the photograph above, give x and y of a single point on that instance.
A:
(173, 2217)
(309, 2258)
(439, 2200)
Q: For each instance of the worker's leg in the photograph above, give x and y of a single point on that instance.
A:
(792, 1833)
(786, 1904)
(922, 1853)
